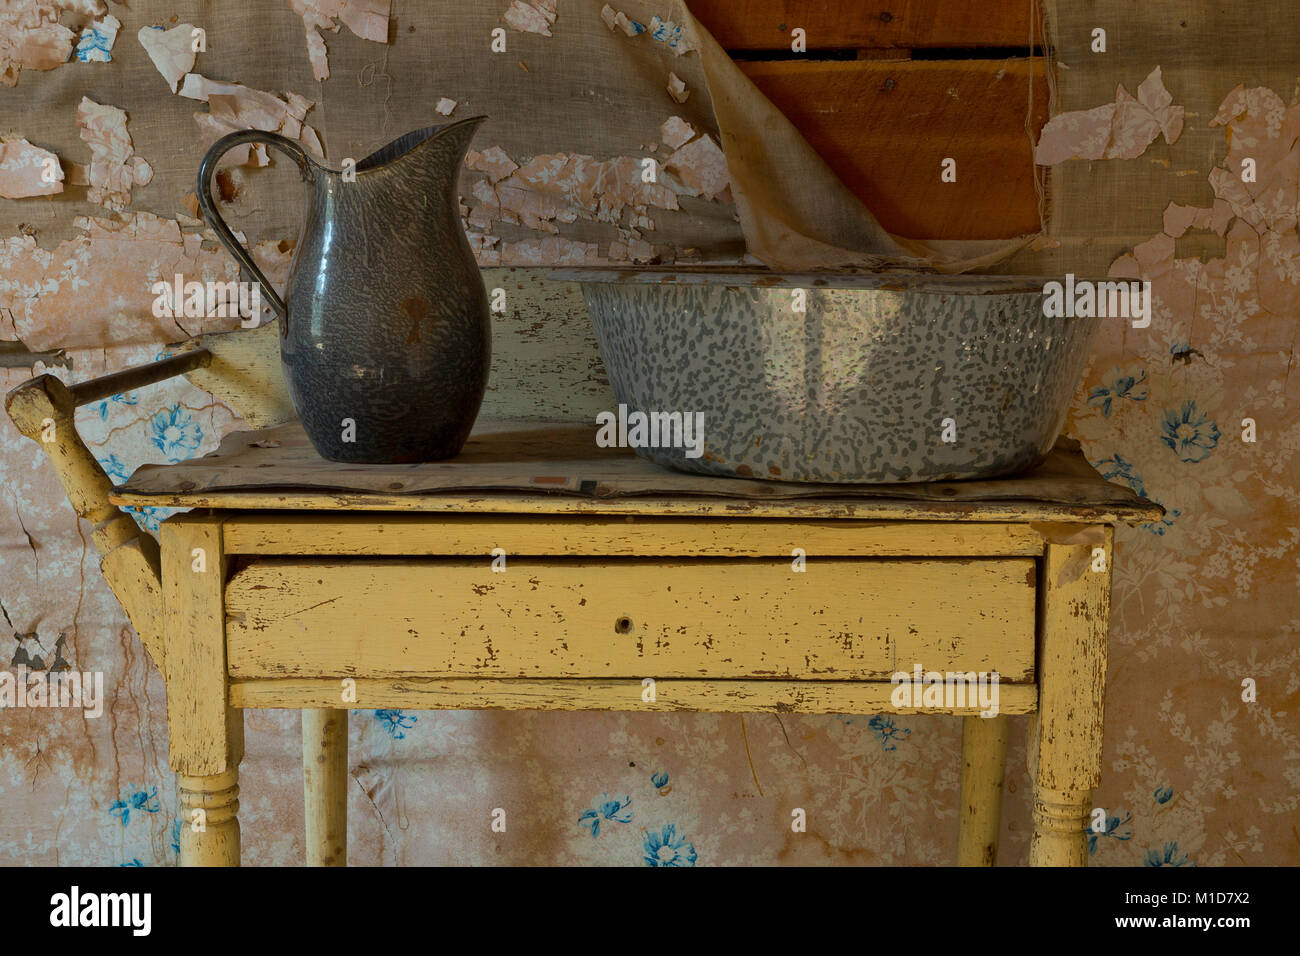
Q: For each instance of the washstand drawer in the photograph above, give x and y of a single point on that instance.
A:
(841, 619)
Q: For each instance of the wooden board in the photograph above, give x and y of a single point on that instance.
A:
(848, 24)
(629, 536)
(717, 696)
(885, 128)
(840, 619)
(277, 468)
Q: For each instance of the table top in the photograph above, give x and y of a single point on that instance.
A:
(554, 468)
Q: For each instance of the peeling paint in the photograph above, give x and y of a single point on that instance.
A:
(1120, 130)
(113, 168)
(22, 166)
(233, 106)
(96, 42)
(368, 19)
(31, 37)
(533, 16)
(617, 19)
(676, 132)
(95, 290)
(172, 51)
(677, 88)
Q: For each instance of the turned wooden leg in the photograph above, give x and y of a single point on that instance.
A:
(324, 779)
(210, 819)
(1059, 818)
(984, 761)
(207, 735)
(1065, 735)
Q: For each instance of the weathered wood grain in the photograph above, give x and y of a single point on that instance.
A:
(885, 127)
(194, 633)
(984, 761)
(716, 696)
(841, 619)
(324, 784)
(627, 536)
(849, 24)
(1065, 736)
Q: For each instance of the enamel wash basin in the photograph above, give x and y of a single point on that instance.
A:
(845, 378)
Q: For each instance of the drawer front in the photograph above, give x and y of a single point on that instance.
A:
(841, 619)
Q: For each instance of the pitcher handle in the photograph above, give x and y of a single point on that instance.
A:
(206, 170)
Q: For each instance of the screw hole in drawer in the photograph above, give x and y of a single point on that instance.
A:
(623, 625)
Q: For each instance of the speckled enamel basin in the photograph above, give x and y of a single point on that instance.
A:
(857, 388)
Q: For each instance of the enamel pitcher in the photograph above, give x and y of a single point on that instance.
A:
(384, 321)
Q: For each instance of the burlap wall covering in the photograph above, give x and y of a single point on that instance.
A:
(1193, 774)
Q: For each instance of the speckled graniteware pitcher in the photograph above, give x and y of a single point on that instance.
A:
(384, 322)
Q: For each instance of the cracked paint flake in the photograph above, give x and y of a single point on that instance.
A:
(172, 51)
(534, 16)
(31, 37)
(96, 42)
(233, 106)
(673, 35)
(563, 187)
(445, 106)
(107, 273)
(368, 19)
(549, 250)
(1120, 130)
(22, 170)
(677, 88)
(702, 169)
(494, 161)
(113, 168)
(617, 19)
(676, 132)
(1258, 219)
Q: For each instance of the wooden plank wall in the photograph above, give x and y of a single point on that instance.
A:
(890, 88)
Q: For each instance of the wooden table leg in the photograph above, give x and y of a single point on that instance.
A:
(207, 735)
(325, 781)
(984, 762)
(210, 837)
(1065, 737)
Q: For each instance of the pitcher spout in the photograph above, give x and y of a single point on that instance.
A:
(434, 153)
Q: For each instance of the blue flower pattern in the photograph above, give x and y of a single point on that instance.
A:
(1167, 855)
(1119, 385)
(175, 432)
(1118, 468)
(606, 810)
(665, 848)
(138, 800)
(396, 723)
(1115, 829)
(1189, 432)
(887, 732)
(120, 398)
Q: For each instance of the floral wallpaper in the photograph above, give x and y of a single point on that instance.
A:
(1202, 749)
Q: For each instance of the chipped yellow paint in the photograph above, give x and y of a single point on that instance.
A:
(1065, 736)
(601, 618)
(702, 696)
(618, 536)
(984, 761)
